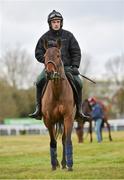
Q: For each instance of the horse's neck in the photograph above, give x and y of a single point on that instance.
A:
(85, 108)
(58, 87)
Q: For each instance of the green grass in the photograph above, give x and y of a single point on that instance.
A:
(27, 157)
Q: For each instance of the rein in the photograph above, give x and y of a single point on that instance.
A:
(51, 62)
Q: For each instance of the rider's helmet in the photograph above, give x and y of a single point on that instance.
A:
(54, 15)
(92, 100)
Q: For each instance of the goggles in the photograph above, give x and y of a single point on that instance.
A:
(53, 15)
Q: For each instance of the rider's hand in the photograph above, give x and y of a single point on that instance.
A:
(75, 70)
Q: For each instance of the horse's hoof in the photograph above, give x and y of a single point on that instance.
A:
(69, 169)
(57, 164)
(53, 168)
(63, 167)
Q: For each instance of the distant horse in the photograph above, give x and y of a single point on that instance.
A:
(80, 127)
(58, 106)
(86, 109)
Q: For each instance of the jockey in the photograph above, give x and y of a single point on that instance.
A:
(70, 54)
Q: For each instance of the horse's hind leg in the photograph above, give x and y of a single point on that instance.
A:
(109, 130)
(53, 150)
(63, 162)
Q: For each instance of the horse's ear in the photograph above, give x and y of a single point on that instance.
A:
(45, 44)
(59, 43)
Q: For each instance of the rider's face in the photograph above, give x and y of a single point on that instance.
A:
(55, 24)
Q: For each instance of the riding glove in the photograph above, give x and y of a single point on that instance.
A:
(75, 70)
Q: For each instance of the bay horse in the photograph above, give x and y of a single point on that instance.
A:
(58, 106)
(86, 108)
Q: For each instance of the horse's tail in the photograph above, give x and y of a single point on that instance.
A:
(58, 129)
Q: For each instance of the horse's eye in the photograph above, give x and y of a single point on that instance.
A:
(58, 56)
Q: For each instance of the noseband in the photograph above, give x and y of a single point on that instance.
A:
(54, 75)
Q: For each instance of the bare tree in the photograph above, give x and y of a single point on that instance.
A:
(114, 67)
(115, 73)
(84, 69)
(85, 64)
(18, 68)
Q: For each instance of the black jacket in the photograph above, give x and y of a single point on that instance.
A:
(70, 51)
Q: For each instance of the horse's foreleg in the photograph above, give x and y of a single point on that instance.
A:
(109, 130)
(90, 131)
(53, 149)
(79, 132)
(68, 143)
(63, 162)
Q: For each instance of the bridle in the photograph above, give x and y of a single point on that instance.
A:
(54, 75)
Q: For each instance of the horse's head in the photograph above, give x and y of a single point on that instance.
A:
(53, 62)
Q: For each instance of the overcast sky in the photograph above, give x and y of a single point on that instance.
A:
(98, 25)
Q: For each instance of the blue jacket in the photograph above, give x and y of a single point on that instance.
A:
(97, 112)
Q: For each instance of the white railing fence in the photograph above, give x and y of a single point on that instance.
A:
(116, 125)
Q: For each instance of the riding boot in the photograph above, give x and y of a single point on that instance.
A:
(37, 113)
(79, 113)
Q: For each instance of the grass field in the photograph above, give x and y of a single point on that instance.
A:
(27, 157)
